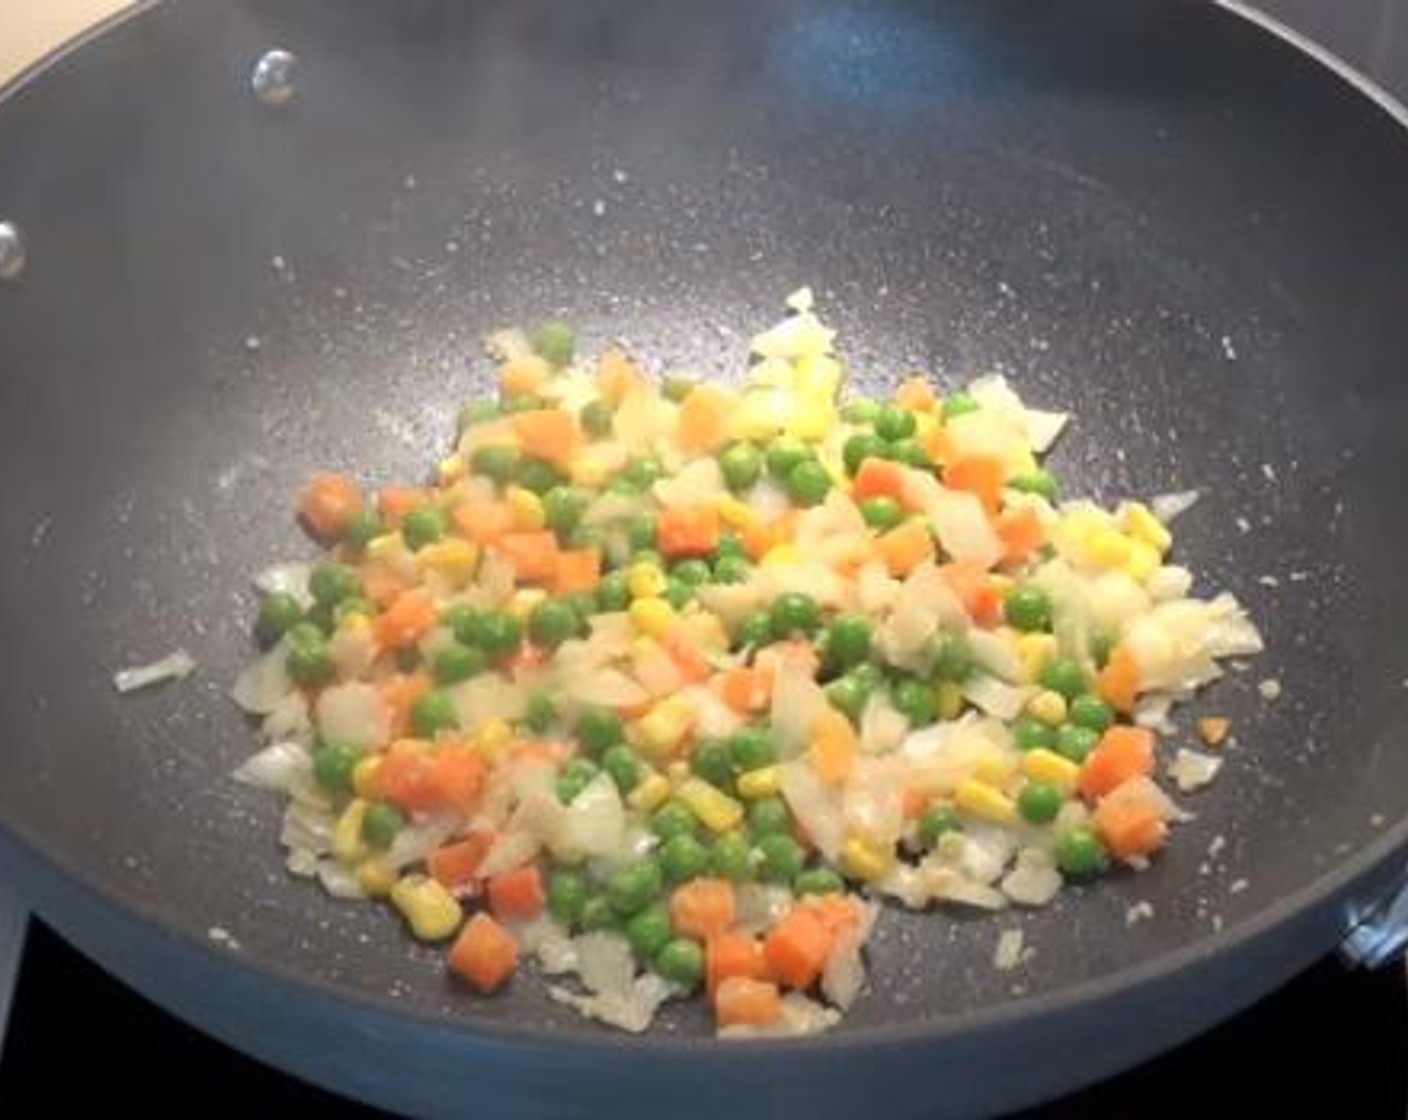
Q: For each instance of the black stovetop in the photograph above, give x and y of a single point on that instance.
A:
(79, 1039)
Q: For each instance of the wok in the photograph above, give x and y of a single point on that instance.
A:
(1153, 214)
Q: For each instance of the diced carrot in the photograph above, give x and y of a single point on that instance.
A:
(833, 746)
(905, 547)
(747, 688)
(837, 912)
(517, 895)
(796, 948)
(1123, 752)
(409, 618)
(916, 394)
(1118, 683)
(454, 865)
(980, 475)
(548, 433)
(459, 776)
(975, 589)
(703, 419)
(703, 908)
(688, 658)
(688, 531)
(757, 539)
(784, 526)
(484, 953)
(878, 478)
(1130, 826)
(406, 776)
(327, 503)
(483, 522)
(744, 1002)
(578, 569)
(381, 583)
(617, 375)
(733, 954)
(394, 502)
(399, 692)
(1020, 532)
(545, 752)
(523, 374)
(533, 555)
(939, 446)
(913, 802)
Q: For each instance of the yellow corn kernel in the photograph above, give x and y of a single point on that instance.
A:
(354, 622)
(813, 419)
(375, 878)
(452, 468)
(454, 559)
(661, 730)
(717, 810)
(1143, 560)
(736, 514)
(1035, 652)
(818, 375)
(983, 800)
(650, 793)
(430, 909)
(1141, 524)
(524, 374)
(677, 772)
(348, 847)
(762, 782)
(1048, 706)
(865, 859)
(385, 546)
(364, 775)
(525, 601)
(1001, 584)
(527, 509)
(645, 581)
(652, 616)
(1042, 765)
(949, 697)
(781, 554)
(1108, 548)
(588, 472)
(994, 767)
(493, 738)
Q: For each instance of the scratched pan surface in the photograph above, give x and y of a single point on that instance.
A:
(1151, 215)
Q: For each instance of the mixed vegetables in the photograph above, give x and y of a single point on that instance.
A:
(665, 684)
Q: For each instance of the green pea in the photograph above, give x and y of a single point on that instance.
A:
(1040, 482)
(710, 760)
(458, 662)
(554, 341)
(641, 531)
(731, 858)
(784, 454)
(333, 764)
(742, 466)
(596, 419)
(309, 662)
(649, 930)
(1080, 853)
(353, 604)
(613, 593)
(681, 961)
(576, 775)
(862, 410)
(538, 475)
(363, 527)
(567, 893)
(915, 701)
(860, 447)
(540, 714)
(780, 857)
(462, 622)
(808, 483)
(1031, 734)
(731, 544)
(818, 880)
(552, 623)
(731, 569)
(587, 536)
(478, 412)
(648, 556)
(893, 422)
(1102, 644)
(951, 658)
(848, 640)
(279, 612)
(692, 573)
(633, 887)
(598, 729)
(1028, 608)
(754, 630)
(1088, 710)
(563, 507)
(910, 452)
(959, 404)
(1075, 742)
(499, 464)
(793, 613)
(677, 387)
(768, 816)
(433, 712)
(1039, 802)
(499, 633)
(597, 914)
(1063, 675)
(881, 513)
(380, 824)
(677, 592)
(424, 526)
(682, 857)
(622, 764)
(331, 583)
(752, 748)
(935, 822)
(673, 818)
(644, 473)
(848, 695)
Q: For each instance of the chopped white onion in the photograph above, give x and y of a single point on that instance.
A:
(816, 807)
(417, 840)
(594, 824)
(338, 881)
(1034, 881)
(1168, 506)
(174, 666)
(1005, 701)
(288, 720)
(355, 714)
(279, 767)
(287, 579)
(1192, 770)
(263, 684)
